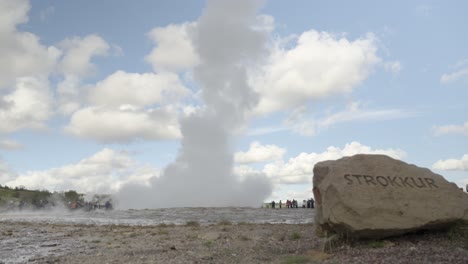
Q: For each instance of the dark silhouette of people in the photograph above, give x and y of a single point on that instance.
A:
(272, 204)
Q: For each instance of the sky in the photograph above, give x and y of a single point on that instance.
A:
(226, 103)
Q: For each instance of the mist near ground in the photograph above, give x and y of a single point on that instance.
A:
(202, 174)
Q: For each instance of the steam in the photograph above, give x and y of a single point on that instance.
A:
(202, 174)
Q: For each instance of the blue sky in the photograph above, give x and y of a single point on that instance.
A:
(93, 92)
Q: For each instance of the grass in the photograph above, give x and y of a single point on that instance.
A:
(295, 236)
(376, 244)
(208, 243)
(192, 223)
(459, 231)
(224, 222)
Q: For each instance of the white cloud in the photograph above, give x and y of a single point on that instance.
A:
(9, 144)
(104, 172)
(28, 106)
(259, 153)
(78, 53)
(393, 67)
(454, 76)
(20, 52)
(69, 97)
(300, 122)
(452, 164)
(318, 65)
(299, 169)
(138, 89)
(131, 106)
(125, 124)
(174, 49)
(354, 112)
(451, 129)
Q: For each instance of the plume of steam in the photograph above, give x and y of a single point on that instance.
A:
(202, 175)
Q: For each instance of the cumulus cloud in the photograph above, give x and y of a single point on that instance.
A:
(299, 169)
(174, 49)
(122, 88)
(452, 164)
(259, 153)
(29, 105)
(75, 65)
(103, 172)
(124, 124)
(451, 129)
(78, 53)
(20, 52)
(317, 65)
(129, 106)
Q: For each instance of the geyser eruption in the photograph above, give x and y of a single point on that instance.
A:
(227, 44)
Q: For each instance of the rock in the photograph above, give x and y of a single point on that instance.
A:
(210, 236)
(375, 196)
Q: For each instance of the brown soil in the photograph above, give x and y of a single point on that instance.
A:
(221, 243)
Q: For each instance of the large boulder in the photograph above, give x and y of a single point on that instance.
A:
(375, 196)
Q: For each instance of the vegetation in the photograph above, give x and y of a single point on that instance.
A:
(193, 223)
(12, 197)
(377, 244)
(459, 231)
(295, 236)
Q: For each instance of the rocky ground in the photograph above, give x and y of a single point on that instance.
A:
(220, 243)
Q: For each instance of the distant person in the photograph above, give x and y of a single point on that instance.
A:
(108, 205)
(466, 187)
(272, 204)
(280, 204)
(312, 203)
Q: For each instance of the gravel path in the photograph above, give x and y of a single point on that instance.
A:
(219, 243)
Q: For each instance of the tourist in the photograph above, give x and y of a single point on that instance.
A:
(280, 204)
(273, 204)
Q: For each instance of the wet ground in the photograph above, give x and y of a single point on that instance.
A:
(178, 216)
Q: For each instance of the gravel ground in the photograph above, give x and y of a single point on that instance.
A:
(218, 243)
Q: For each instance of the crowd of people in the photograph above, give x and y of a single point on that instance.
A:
(89, 206)
(310, 203)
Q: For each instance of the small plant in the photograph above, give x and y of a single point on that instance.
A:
(162, 225)
(295, 236)
(208, 243)
(193, 223)
(163, 232)
(377, 244)
(224, 222)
